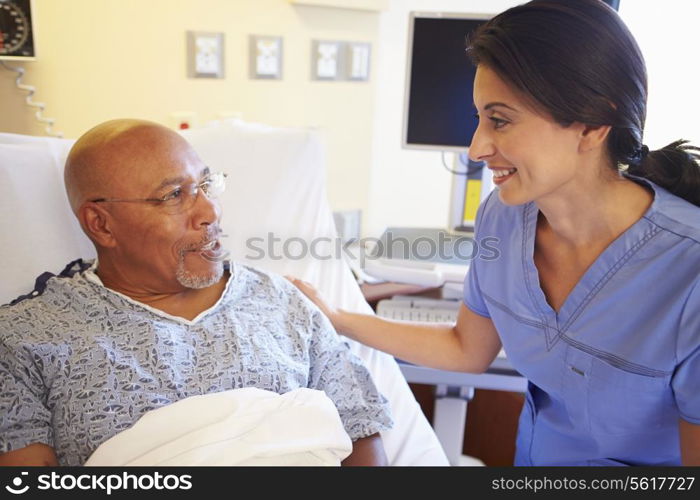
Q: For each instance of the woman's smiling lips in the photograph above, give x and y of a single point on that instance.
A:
(502, 174)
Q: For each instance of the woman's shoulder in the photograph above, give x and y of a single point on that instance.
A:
(675, 215)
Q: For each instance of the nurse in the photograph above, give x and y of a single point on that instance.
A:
(595, 296)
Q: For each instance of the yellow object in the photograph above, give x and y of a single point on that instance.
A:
(472, 198)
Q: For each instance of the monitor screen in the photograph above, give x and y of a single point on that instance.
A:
(438, 109)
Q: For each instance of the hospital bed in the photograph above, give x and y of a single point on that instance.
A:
(275, 200)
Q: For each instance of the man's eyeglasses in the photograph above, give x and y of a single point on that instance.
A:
(181, 198)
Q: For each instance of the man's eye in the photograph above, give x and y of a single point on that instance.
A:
(173, 195)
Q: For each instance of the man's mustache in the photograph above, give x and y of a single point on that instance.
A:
(211, 233)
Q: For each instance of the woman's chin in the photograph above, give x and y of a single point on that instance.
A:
(510, 198)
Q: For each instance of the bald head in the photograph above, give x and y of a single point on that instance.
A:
(135, 188)
(107, 154)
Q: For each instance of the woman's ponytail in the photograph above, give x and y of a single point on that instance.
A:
(675, 167)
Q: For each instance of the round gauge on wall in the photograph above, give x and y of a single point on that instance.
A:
(16, 33)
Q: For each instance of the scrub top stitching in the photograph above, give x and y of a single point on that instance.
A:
(506, 309)
(607, 277)
(615, 360)
(550, 342)
(665, 228)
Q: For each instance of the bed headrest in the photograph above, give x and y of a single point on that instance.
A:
(38, 227)
(276, 186)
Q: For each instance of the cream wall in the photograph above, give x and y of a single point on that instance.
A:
(103, 59)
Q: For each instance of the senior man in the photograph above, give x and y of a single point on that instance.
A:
(160, 315)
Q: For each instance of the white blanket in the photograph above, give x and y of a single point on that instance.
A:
(238, 427)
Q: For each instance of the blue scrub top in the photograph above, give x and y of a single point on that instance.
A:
(611, 373)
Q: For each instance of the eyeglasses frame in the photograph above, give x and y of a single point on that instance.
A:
(162, 199)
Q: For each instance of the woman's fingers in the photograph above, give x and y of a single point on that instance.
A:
(306, 288)
(310, 291)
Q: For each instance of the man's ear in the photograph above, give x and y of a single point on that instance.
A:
(97, 224)
(593, 137)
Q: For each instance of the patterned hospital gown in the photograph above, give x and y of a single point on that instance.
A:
(80, 363)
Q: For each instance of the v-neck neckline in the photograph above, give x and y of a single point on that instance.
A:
(91, 275)
(604, 267)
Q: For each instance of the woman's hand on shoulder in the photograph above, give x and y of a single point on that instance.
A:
(313, 294)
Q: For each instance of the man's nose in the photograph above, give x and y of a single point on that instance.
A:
(205, 210)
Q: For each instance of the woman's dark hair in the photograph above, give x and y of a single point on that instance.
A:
(577, 60)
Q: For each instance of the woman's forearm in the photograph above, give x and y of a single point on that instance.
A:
(469, 346)
(429, 344)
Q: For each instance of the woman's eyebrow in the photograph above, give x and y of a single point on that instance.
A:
(499, 104)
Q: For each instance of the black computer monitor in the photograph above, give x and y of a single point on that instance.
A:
(438, 110)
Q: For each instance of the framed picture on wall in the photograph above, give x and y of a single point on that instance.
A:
(265, 57)
(357, 60)
(326, 60)
(205, 54)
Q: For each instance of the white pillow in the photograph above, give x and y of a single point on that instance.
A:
(39, 230)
